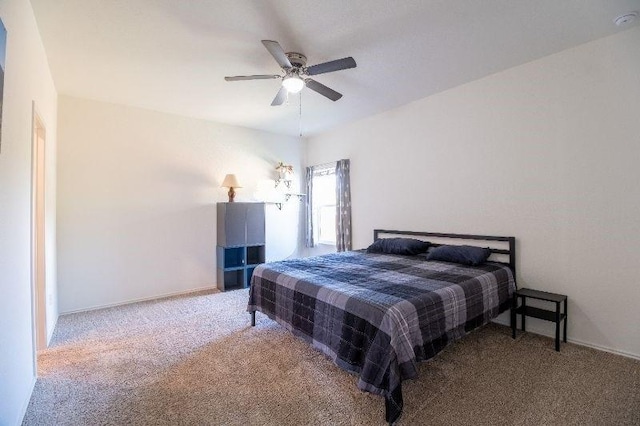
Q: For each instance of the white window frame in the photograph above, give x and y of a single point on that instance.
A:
(318, 204)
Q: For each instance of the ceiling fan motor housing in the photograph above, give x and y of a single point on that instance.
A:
(298, 60)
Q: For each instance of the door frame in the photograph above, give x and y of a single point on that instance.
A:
(38, 235)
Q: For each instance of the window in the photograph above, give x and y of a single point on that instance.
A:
(324, 205)
(328, 205)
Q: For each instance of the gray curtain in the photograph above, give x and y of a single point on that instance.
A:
(343, 206)
(308, 238)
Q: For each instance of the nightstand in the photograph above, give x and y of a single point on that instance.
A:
(529, 311)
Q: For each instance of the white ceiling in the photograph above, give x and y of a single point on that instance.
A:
(172, 55)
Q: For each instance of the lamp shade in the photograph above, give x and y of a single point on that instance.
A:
(230, 181)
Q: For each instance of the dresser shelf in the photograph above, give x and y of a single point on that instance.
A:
(241, 243)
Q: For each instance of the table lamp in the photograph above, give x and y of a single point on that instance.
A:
(230, 181)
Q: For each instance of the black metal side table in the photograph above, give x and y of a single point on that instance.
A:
(547, 315)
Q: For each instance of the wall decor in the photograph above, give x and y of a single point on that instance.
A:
(285, 173)
(3, 49)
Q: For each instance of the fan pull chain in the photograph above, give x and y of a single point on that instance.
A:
(300, 116)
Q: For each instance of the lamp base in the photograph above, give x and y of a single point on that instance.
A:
(232, 194)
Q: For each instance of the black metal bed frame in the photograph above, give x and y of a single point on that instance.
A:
(510, 252)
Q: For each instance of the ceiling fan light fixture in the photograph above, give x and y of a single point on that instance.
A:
(293, 83)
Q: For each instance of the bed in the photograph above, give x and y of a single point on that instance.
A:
(377, 315)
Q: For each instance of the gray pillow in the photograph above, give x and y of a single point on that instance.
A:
(465, 255)
(405, 246)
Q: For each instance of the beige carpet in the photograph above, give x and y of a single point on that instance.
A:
(195, 360)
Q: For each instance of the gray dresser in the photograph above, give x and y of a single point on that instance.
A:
(241, 243)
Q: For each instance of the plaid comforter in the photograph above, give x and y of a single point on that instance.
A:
(376, 315)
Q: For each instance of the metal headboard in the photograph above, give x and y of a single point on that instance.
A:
(510, 252)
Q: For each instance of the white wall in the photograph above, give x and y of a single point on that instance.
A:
(547, 152)
(137, 199)
(27, 79)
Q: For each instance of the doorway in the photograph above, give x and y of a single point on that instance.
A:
(38, 258)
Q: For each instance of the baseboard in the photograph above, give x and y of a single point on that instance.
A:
(576, 341)
(25, 405)
(144, 299)
(50, 334)
(500, 321)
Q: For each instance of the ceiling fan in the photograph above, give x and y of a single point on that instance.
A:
(296, 73)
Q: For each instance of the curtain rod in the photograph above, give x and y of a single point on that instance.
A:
(327, 164)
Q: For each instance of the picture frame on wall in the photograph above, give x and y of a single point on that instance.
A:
(3, 49)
